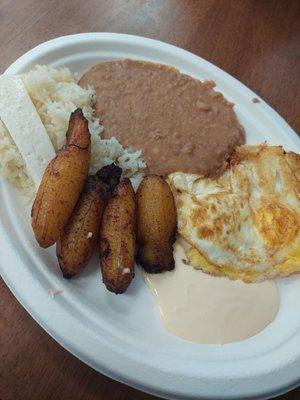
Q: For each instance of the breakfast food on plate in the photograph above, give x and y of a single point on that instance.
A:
(118, 238)
(176, 120)
(246, 223)
(54, 93)
(156, 224)
(236, 208)
(81, 233)
(62, 183)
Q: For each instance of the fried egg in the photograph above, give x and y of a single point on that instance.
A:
(244, 224)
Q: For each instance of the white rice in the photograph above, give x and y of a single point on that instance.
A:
(55, 94)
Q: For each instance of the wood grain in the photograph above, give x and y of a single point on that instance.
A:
(258, 42)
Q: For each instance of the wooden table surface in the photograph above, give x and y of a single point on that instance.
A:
(258, 42)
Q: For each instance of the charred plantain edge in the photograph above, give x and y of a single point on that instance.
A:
(154, 268)
(110, 174)
(112, 287)
(66, 274)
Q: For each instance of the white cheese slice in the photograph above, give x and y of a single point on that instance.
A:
(22, 120)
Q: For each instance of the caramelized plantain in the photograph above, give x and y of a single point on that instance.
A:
(62, 183)
(81, 233)
(156, 224)
(118, 239)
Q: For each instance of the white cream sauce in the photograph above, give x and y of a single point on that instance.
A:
(211, 310)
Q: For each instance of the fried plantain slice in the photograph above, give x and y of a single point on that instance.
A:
(62, 183)
(118, 239)
(81, 233)
(156, 224)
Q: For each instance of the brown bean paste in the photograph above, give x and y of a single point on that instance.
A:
(179, 122)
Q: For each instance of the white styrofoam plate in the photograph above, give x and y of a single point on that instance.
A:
(121, 336)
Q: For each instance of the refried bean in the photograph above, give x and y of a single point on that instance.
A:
(179, 122)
